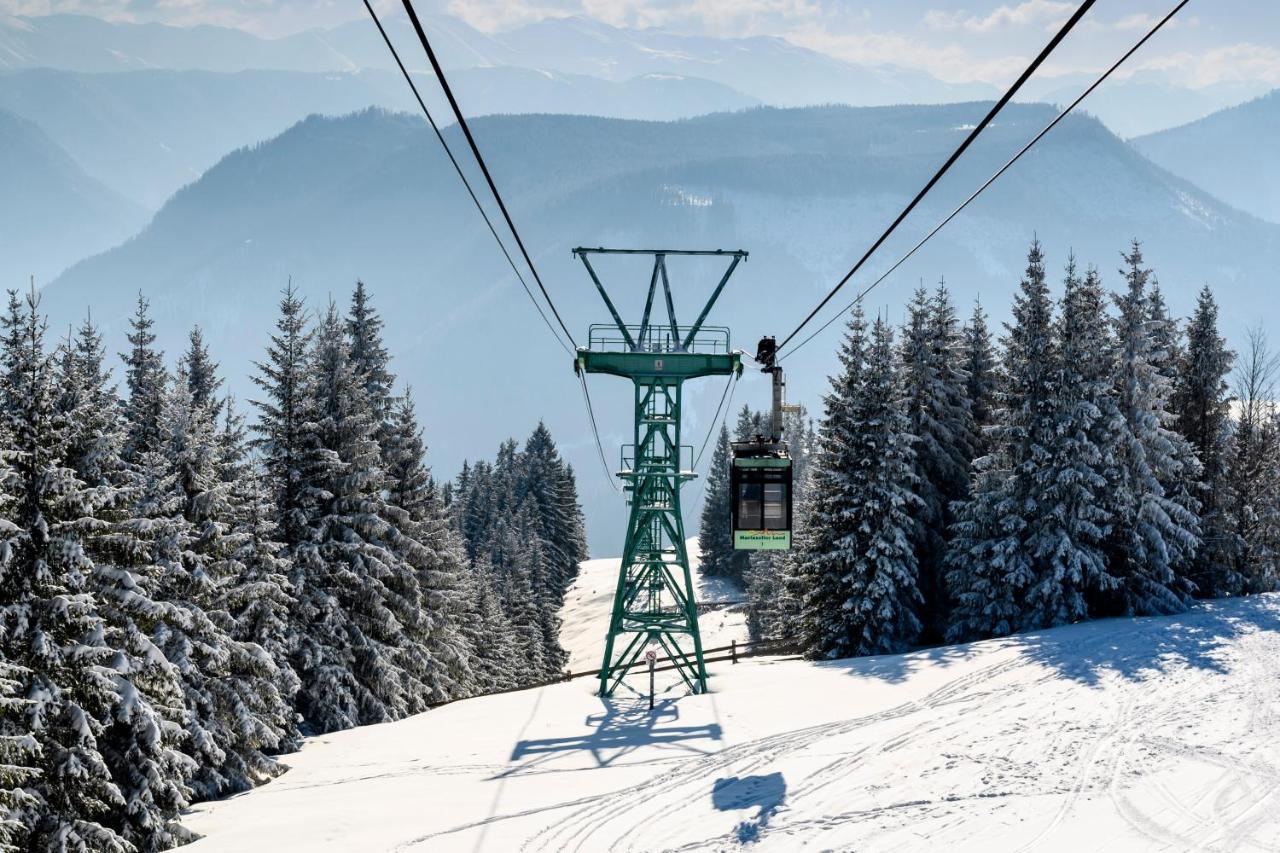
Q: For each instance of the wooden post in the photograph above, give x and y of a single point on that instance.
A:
(733, 650)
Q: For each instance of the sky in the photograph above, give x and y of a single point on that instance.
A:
(1212, 41)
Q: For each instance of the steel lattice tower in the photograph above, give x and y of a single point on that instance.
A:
(654, 599)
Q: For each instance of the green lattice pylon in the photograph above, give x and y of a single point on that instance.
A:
(654, 600)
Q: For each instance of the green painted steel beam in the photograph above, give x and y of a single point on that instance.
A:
(667, 366)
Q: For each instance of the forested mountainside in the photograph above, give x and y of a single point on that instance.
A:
(804, 190)
(1227, 153)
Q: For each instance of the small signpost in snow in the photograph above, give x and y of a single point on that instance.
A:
(652, 657)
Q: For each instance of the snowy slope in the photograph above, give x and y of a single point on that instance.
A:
(589, 601)
(1146, 734)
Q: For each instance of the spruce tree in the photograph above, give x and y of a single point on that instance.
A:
(715, 532)
(857, 556)
(19, 752)
(749, 425)
(1255, 465)
(51, 632)
(1154, 533)
(440, 562)
(358, 600)
(488, 633)
(140, 747)
(256, 591)
(982, 367)
(937, 407)
(990, 568)
(201, 373)
(1067, 539)
(237, 714)
(145, 380)
(283, 417)
(543, 479)
(1201, 402)
(370, 361)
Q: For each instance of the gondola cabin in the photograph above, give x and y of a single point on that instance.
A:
(760, 483)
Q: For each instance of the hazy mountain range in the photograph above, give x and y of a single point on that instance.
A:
(1235, 154)
(804, 190)
(1146, 101)
(53, 212)
(147, 133)
(757, 70)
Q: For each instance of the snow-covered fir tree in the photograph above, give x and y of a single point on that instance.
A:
(546, 480)
(139, 747)
(370, 360)
(1255, 466)
(750, 424)
(256, 591)
(201, 373)
(982, 367)
(18, 769)
(145, 381)
(990, 569)
(1067, 538)
(1154, 534)
(77, 687)
(358, 604)
(236, 711)
(1201, 402)
(936, 401)
(715, 531)
(507, 513)
(440, 562)
(488, 632)
(856, 556)
(282, 435)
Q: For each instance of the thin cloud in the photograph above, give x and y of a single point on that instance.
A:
(1030, 13)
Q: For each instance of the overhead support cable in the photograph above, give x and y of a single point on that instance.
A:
(462, 176)
(733, 378)
(595, 430)
(475, 150)
(973, 135)
(1016, 157)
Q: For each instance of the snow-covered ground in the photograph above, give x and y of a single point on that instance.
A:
(1148, 734)
(589, 602)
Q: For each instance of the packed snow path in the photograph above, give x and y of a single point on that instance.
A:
(588, 604)
(1148, 734)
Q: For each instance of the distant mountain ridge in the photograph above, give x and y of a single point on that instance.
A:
(767, 69)
(147, 133)
(53, 212)
(804, 190)
(762, 69)
(1231, 153)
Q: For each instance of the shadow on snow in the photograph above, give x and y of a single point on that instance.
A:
(1132, 648)
(620, 729)
(765, 792)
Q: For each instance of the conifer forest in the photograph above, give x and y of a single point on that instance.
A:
(190, 585)
(1098, 458)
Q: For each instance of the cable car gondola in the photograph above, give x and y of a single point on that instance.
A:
(760, 475)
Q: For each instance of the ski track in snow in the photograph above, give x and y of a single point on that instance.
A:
(1148, 734)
